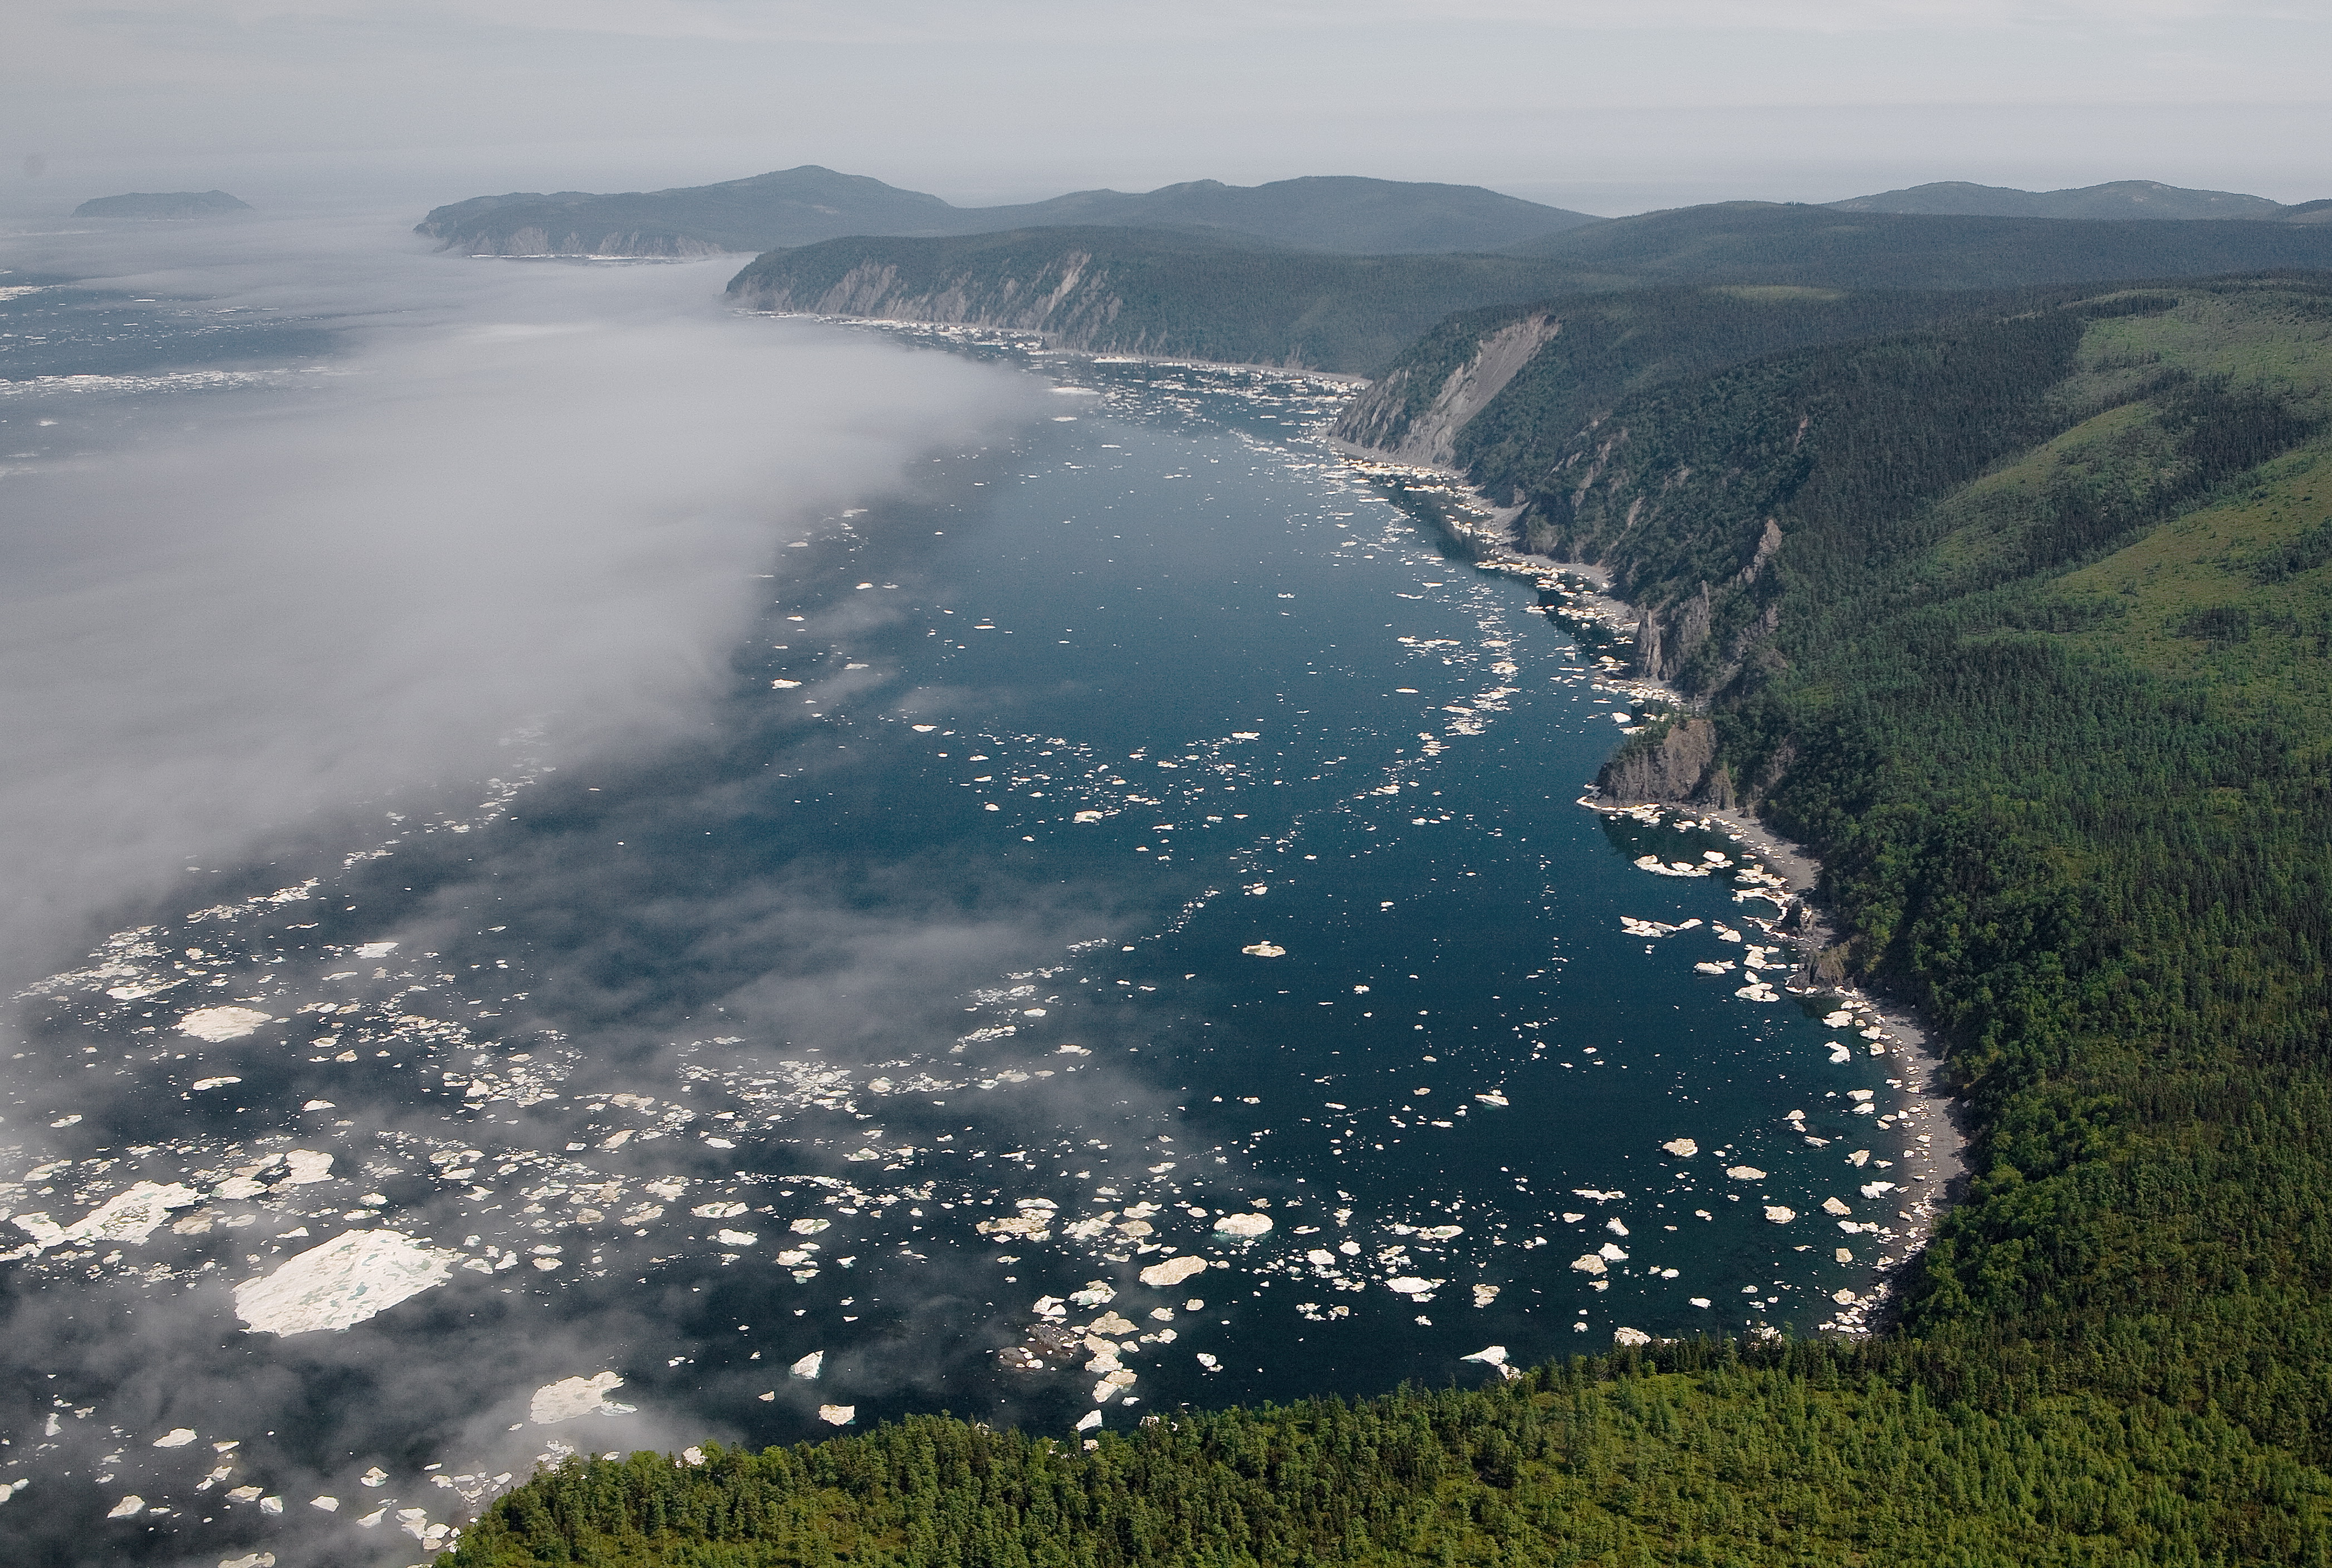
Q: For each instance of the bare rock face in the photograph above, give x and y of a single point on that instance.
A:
(1680, 767)
(1666, 638)
(1380, 420)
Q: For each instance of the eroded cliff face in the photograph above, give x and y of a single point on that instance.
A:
(1381, 418)
(1680, 767)
(1071, 300)
(1671, 635)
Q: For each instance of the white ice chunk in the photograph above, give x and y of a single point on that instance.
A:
(1682, 1147)
(127, 1506)
(345, 1281)
(130, 1215)
(216, 1024)
(837, 1415)
(1744, 1172)
(568, 1397)
(810, 1365)
(309, 1165)
(1172, 1272)
(1244, 1225)
(175, 1438)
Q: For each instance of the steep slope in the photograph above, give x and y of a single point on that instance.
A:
(800, 206)
(1487, 390)
(1147, 291)
(2121, 198)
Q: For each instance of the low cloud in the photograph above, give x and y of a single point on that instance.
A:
(534, 499)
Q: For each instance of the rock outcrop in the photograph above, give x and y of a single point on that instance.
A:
(1382, 420)
(1681, 766)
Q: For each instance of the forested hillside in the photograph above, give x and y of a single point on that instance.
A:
(2023, 618)
(1781, 276)
(1156, 291)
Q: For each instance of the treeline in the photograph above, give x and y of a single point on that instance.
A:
(1696, 1454)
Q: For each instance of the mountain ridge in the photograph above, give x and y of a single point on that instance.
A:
(2121, 198)
(808, 205)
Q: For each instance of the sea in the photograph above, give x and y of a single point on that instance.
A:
(1126, 934)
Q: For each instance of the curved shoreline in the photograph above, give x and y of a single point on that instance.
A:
(1925, 1109)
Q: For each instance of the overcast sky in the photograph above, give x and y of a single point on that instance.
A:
(1605, 108)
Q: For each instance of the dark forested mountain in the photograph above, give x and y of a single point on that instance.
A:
(1200, 295)
(184, 204)
(1762, 243)
(799, 206)
(1340, 214)
(2018, 608)
(2121, 198)
(792, 207)
(1162, 293)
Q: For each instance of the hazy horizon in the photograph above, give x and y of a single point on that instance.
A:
(311, 104)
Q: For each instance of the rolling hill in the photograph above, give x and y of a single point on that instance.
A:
(1764, 243)
(800, 206)
(2121, 198)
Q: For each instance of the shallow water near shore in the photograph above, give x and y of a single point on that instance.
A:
(1132, 834)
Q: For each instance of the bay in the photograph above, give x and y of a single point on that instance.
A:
(1136, 826)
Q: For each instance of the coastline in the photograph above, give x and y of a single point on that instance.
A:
(1925, 1142)
(1037, 342)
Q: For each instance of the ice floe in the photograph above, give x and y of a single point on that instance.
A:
(217, 1024)
(130, 1215)
(1173, 1271)
(346, 1281)
(571, 1398)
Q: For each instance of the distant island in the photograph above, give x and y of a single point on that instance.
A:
(804, 205)
(181, 204)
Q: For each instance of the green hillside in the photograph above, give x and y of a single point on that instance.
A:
(1741, 280)
(1762, 242)
(2023, 618)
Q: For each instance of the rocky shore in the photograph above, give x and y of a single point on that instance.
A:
(1922, 1168)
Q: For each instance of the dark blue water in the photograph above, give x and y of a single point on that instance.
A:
(1139, 825)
